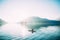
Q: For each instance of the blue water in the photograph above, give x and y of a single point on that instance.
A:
(48, 33)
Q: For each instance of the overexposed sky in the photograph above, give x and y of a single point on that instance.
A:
(17, 10)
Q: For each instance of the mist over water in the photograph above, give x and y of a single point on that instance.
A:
(10, 32)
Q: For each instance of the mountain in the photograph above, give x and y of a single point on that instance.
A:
(2, 22)
(37, 22)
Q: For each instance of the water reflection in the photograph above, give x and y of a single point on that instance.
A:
(14, 31)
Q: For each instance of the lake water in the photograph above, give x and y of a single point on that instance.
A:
(17, 32)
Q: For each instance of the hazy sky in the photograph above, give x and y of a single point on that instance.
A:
(16, 10)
